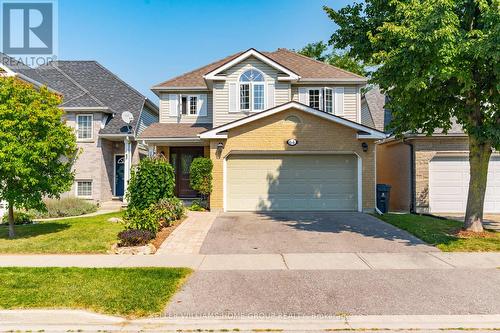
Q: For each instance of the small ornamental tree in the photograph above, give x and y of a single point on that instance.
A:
(439, 62)
(200, 175)
(153, 179)
(37, 149)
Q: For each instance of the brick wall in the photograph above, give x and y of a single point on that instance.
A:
(313, 134)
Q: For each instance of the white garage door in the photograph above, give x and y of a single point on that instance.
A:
(291, 182)
(449, 185)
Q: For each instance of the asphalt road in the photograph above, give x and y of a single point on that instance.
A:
(306, 232)
(370, 292)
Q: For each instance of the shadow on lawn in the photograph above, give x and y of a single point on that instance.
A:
(33, 230)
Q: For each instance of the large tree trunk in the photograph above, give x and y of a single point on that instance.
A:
(479, 158)
(11, 221)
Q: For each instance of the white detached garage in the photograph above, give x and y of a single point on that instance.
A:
(449, 185)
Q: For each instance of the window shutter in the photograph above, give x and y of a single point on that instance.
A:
(173, 100)
(270, 95)
(202, 105)
(233, 97)
(303, 96)
(339, 101)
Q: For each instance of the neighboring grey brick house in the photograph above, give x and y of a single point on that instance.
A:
(94, 100)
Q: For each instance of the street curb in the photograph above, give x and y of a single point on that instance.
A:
(66, 320)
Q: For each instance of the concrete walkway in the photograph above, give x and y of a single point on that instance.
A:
(285, 261)
(76, 321)
(189, 236)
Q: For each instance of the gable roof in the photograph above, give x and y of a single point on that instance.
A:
(308, 69)
(247, 54)
(366, 132)
(88, 84)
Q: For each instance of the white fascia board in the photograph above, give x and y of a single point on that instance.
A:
(170, 139)
(213, 74)
(371, 136)
(335, 80)
(164, 89)
(372, 132)
(212, 136)
(86, 109)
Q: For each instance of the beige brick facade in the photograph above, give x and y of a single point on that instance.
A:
(393, 168)
(313, 134)
(425, 149)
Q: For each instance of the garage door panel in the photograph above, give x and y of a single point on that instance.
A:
(292, 182)
(449, 184)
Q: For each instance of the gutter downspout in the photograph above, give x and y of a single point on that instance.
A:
(412, 176)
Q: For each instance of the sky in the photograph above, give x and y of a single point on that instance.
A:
(146, 42)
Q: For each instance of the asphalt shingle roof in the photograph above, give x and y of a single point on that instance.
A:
(163, 130)
(304, 66)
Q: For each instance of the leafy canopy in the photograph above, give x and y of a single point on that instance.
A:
(439, 60)
(37, 149)
(338, 58)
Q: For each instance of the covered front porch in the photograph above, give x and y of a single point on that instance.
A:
(180, 145)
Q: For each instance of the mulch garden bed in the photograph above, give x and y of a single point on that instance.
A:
(163, 234)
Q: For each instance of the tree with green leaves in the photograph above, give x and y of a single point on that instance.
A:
(439, 61)
(338, 58)
(200, 174)
(37, 148)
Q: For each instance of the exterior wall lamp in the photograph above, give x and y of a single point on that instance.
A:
(364, 145)
(220, 146)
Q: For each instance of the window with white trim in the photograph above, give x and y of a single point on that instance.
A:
(84, 126)
(84, 188)
(252, 91)
(189, 105)
(321, 99)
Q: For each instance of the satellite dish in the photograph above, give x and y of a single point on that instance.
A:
(127, 117)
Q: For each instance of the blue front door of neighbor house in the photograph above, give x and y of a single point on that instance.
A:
(119, 175)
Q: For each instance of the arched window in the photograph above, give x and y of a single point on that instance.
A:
(252, 90)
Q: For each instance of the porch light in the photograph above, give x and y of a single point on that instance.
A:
(220, 145)
(364, 145)
(218, 152)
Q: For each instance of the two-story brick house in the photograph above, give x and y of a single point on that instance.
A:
(284, 132)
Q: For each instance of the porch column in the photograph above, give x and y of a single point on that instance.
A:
(128, 164)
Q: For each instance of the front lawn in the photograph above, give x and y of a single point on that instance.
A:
(130, 292)
(443, 233)
(73, 235)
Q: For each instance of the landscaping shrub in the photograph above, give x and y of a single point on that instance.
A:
(153, 179)
(200, 175)
(158, 215)
(141, 219)
(65, 207)
(19, 218)
(134, 237)
(168, 211)
(197, 206)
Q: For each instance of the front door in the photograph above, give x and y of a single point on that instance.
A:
(181, 158)
(119, 175)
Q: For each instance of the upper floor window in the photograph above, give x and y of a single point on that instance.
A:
(321, 98)
(84, 126)
(189, 105)
(252, 90)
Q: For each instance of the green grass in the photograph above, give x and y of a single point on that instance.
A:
(73, 235)
(130, 292)
(440, 232)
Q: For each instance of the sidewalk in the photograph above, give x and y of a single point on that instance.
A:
(75, 321)
(286, 261)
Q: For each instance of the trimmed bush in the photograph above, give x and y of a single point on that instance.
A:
(197, 206)
(168, 211)
(19, 218)
(158, 215)
(134, 237)
(153, 179)
(200, 175)
(65, 207)
(141, 219)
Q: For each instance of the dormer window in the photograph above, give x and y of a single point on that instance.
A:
(252, 91)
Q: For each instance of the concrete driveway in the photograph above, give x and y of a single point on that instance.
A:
(306, 232)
